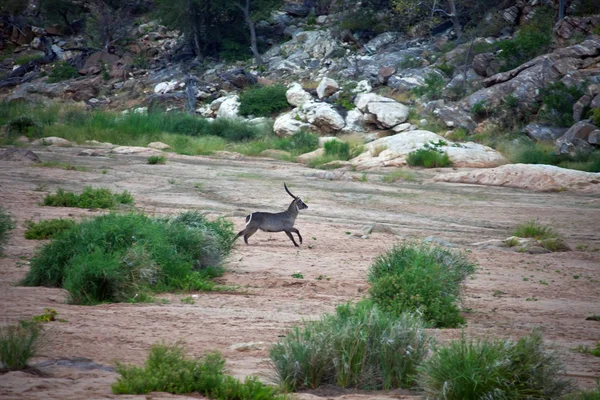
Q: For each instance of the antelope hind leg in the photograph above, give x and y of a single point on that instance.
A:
(297, 233)
(292, 238)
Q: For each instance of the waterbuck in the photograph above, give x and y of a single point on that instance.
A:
(275, 222)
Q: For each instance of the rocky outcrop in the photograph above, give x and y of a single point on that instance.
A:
(327, 87)
(290, 123)
(323, 116)
(392, 151)
(526, 176)
(297, 96)
(576, 139)
(543, 133)
(382, 111)
(229, 107)
(20, 155)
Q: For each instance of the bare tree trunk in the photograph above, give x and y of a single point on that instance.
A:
(190, 94)
(253, 44)
(561, 9)
(454, 17)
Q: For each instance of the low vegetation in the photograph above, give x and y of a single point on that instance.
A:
(428, 158)
(357, 347)
(61, 72)
(499, 369)
(432, 88)
(337, 150)
(152, 160)
(6, 225)
(19, 343)
(263, 101)
(558, 100)
(89, 198)
(116, 258)
(167, 369)
(399, 174)
(61, 165)
(47, 229)
(418, 278)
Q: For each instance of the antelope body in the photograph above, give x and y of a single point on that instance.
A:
(275, 222)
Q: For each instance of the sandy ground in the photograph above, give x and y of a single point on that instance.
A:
(510, 294)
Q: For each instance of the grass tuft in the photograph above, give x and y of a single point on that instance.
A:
(417, 278)
(494, 369)
(152, 160)
(358, 346)
(115, 258)
(47, 229)
(263, 101)
(533, 229)
(6, 225)
(428, 158)
(89, 198)
(168, 370)
(19, 343)
(399, 174)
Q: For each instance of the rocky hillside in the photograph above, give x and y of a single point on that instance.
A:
(472, 96)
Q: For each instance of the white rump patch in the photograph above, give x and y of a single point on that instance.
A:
(250, 219)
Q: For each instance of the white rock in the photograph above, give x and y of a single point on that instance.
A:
(53, 141)
(132, 150)
(402, 127)
(363, 99)
(362, 87)
(327, 87)
(306, 157)
(324, 116)
(388, 115)
(297, 96)
(355, 121)
(158, 146)
(229, 108)
(289, 124)
(528, 176)
(165, 87)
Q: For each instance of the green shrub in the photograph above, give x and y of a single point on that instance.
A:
(61, 72)
(533, 229)
(417, 278)
(168, 370)
(89, 198)
(337, 148)
(233, 130)
(116, 257)
(300, 143)
(263, 101)
(596, 115)
(27, 58)
(532, 40)
(394, 176)
(593, 394)
(494, 369)
(344, 100)
(479, 109)
(428, 158)
(152, 160)
(6, 225)
(19, 343)
(432, 89)
(47, 229)
(558, 100)
(358, 347)
(24, 125)
(410, 62)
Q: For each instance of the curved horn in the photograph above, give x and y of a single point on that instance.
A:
(288, 190)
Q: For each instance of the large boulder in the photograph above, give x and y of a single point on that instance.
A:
(528, 176)
(327, 87)
(289, 124)
(229, 108)
(383, 111)
(392, 151)
(21, 155)
(239, 77)
(297, 96)
(575, 139)
(306, 45)
(323, 116)
(165, 87)
(543, 133)
(355, 121)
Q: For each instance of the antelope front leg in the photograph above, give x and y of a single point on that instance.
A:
(297, 233)
(292, 238)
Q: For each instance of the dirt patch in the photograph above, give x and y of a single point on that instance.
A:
(510, 294)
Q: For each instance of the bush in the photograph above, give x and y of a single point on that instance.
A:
(47, 229)
(498, 369)
(263, 101)
(152, 160)
(428, 158)
(24, 125)
(168, 370)
(337, 148)
(358, 346)
(558, 100)
(416, 278)
(533, 229)
(18, 344)
(123, 257)
(596, 115)
(61, 72)
(432, 89)
(233, 130)
(6, 225)
(300, 143)
(89, 198)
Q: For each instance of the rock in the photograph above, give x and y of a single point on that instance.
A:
(324, 116)
(455, 117)
(402, 127)
(355, 121)
(543, 133)
(305, 46)
(327, 87)
(397, 147)
(570, 25)
(511, 14)
(133, 150)
(277, 154)
(485, 64)
(441, 242)
(383, 111)
(239, 78)
(329, 175)
(289, 124)
(102, 152)
(384, 74)
(382, 40)
(296, 9)
(306, 157)
(362, 87)
(325, 139)
(321, 19)
(165, 87)
(297, 96)
(527, 176)
(244, 347)
(21, 155)
(53, 141)
(580, 106)
(594, 137)
(159, 146)
(575, 139)
(229, 108)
